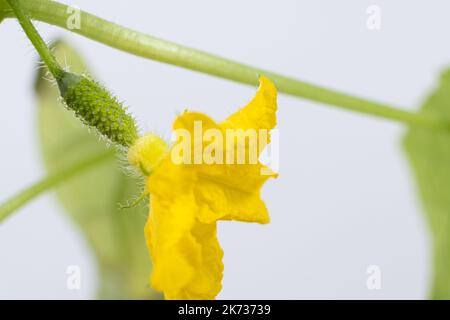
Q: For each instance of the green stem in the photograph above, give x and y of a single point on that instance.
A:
(146, 46)
(51, 181)
(36, 39)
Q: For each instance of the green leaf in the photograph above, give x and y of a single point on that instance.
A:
(92, 199)
(429, 154)
(3, 8)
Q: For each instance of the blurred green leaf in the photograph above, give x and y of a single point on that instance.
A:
(92, 199)
(429, 154)
(3, 8)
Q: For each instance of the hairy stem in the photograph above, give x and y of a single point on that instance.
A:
(146, 46)
(36, 39)
(51, 181)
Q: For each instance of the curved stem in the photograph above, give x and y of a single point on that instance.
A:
(36, 39)
(51, 181)
(146, 46)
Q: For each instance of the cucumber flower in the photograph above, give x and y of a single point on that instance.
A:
(197, 182)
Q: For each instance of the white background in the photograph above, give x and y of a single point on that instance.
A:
(345, 198)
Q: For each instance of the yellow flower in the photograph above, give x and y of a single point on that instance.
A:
(187, 199)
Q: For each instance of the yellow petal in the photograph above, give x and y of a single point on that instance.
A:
(231, 191)
(187, 258)
(167, 229)
(260, 112)
(219, 202)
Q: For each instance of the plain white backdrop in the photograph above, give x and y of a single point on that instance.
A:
(345, 198)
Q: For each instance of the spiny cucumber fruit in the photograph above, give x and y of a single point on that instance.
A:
(97, 108)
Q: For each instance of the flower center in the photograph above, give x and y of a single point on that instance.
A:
(147, 152)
